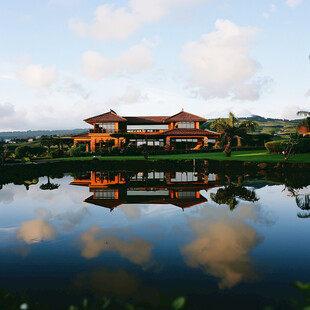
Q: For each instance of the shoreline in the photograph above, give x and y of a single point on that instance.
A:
(241, 156)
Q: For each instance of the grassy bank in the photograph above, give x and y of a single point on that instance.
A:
(248, 156)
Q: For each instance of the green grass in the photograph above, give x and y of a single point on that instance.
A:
(249, 156)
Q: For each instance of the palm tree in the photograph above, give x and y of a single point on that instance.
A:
(49, 186)
(231, 128)
(304, 204)
(230, 194)
(306, 121)
(303, 113)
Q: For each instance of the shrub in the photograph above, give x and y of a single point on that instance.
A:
(75, 152)
(303, 146)
(24, 150)
(104, 151)
(56, 153)
(274, 147)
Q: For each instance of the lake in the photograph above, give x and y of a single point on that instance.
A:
(219, 237)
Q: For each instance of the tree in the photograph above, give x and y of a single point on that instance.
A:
(230, 194)
(304, 204)
(289, 146)
(49, 186)
(306, 121)
(231, 128)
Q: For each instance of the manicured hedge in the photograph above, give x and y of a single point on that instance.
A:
(274, 147)
(303, 146)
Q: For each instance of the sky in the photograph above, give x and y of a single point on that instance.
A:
(62, 61)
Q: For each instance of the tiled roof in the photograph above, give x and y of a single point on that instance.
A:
(106, 117)
(107, 203)
(190, 132)
(185, 117)
(145, 120)
(187, 203)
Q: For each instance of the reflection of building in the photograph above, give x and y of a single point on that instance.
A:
(178, 131)
(112, 189)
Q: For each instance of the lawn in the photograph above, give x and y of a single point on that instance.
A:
(249, 156)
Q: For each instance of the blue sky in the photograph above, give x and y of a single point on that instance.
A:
(62, 61)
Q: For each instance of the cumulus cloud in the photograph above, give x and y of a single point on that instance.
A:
(119, 23)
(293, 3)
(220, 64)
(70, 218)
(131, 95)
(272, 9)
(134, 60)
(10, 117)
(73, 88)
(35, 231)
(135, 249)
(37, 76)
(222, 245)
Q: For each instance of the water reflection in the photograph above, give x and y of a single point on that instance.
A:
(227, 243)
(181, 189)
(231, 192)
(223, 243)
(36, 231)
(135, 249)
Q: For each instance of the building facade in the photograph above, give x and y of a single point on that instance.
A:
(180, 131)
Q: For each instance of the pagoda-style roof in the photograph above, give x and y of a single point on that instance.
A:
(145, 120)
(105, 118)
(114, 203)
(190, 132)
(185, 117)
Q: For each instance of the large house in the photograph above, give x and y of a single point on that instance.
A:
(179, 131)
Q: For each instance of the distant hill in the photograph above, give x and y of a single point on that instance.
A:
(35, 133)
(274, 125)
(268, 125)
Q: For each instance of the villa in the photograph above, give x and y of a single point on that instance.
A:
(179, 131)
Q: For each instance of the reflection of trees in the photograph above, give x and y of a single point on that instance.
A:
(230, 194)
(302, 201)
(304, 204)
(27, 183)
(49, 185)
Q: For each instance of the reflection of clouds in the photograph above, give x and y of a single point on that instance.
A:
(11, 192)
(132, 212)
(134, 248)
(223, 244)
(36, 231)
(72, 218)
(119, 284)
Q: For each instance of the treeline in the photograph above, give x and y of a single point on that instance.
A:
(35, 133)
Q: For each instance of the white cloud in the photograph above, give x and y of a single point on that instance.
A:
(223, 244)
(36, 231)
(131, 95)
(10, 117)
(96, 241)
(220, 64)
(134, 60)
(119, 23)
(272, 9)
(37, 76)
(293, 3)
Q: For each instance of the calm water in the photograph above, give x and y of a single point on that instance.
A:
(217, 239)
